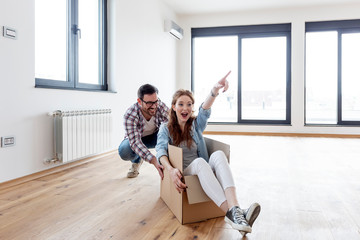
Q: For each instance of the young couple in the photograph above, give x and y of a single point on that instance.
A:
(149, 123)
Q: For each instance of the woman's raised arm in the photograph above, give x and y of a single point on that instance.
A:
(222, 83)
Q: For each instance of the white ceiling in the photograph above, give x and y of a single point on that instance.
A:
(215, 6)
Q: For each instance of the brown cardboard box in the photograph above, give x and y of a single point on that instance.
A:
(193, 205)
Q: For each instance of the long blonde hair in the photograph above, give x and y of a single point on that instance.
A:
(174, 128)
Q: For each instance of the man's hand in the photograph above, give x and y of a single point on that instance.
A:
(158, 167)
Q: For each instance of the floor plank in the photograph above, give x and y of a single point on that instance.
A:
(309, 188)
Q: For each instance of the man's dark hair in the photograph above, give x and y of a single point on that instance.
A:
(146, 89)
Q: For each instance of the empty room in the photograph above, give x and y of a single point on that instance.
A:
(169, 119)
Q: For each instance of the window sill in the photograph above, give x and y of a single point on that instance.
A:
(331, 125)
(76, 89)
(250, 124)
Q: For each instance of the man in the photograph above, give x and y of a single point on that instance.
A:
(142, 121)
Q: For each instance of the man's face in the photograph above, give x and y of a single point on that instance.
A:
(149, 104)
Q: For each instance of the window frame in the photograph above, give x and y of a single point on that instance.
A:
(341, 26)
(72, 81)
(266, 30)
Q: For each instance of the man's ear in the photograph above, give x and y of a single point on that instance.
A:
(139, 101)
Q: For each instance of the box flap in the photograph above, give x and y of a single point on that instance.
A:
(179, 203)
(213, 145)
(168, 193)
(176, 157)
(199, 211)
(170, 196)
(194, 192)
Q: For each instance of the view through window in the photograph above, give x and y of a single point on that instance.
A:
(259, 58)
(332, 79)
(70, 44)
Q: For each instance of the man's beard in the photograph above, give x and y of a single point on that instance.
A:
(150, 111)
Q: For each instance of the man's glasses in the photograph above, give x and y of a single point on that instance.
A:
(149, 103)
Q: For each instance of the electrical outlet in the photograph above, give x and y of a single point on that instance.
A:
(9, 32)
(8, 141)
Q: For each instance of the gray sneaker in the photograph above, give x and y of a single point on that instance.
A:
(250, 215)
(134, 170)
(235, 217)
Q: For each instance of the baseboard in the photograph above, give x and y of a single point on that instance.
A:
(55, 169)
(283, 134)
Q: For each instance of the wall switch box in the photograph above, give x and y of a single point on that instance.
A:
(9, 32)
(8, 141)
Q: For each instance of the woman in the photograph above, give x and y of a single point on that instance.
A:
(185, 131)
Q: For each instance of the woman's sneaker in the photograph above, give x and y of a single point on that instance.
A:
(252, 213)
(235, 217)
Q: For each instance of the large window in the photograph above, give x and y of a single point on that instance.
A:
(333, 73)
(259, 58)
(70, 44)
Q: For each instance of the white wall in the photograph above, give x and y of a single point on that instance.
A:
(297, 17)
(139, 52)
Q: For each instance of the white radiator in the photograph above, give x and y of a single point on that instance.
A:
(79, 134)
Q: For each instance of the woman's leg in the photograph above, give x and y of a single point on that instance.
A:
(208, 181)
(235, 216)
(219, 164)
(211, 185)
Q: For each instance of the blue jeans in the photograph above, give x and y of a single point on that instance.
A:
(127, 154)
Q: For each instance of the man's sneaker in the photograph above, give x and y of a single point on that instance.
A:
(134, 170)
(252, 213)
(235, 217)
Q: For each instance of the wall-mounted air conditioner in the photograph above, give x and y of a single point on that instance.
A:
(175, 30)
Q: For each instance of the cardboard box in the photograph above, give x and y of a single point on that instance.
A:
(193, 205)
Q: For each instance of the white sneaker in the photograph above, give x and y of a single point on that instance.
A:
(134, 170)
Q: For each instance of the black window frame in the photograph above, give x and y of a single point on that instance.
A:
(265, 30)
(341, 26)
(72, 80)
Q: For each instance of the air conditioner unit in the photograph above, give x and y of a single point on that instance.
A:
(175, 30)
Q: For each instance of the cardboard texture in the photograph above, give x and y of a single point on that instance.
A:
(193, 205)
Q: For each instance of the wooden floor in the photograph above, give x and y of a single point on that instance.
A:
(309, 188)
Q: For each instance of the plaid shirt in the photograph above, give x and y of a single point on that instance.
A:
(134, 123)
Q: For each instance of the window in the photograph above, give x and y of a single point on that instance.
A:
(259, 58)
(70, 44)
(224, 48)
(332, 81)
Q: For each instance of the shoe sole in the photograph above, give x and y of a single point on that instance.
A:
(136, 173)
(243, 234)
(238, 227)
(253, 212)
(132, 175)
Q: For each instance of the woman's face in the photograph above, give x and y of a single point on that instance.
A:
(183, 109)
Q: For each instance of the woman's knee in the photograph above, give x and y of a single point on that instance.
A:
(218, 157)
(201, 165)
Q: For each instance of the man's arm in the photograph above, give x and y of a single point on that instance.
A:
(164, 112)
(131, 122)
